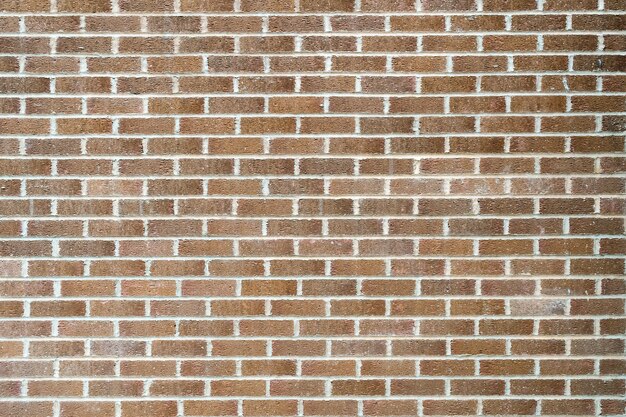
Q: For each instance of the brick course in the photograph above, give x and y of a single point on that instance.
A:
(312, 207)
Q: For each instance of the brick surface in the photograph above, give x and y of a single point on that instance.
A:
(312, 207)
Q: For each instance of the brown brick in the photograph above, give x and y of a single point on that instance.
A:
(150, 408)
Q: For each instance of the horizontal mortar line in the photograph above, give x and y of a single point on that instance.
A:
(395, 196)
(138, 115)
(307, 278)
(343, 397)
(373, 33)
(238, 319)
(416, 398)
(341, 155)
(309, 257)
(417, 278)
(528, 156)
(415, 236)
(417, 155)
(294, 135)
(259, 157)
(307, 216)
(311, 299)
(208, 318)
(366, 115)
(322, 217)
(285, 378)
(313, 94)
(336, 257)
(336, 338)
(202, 318)
(171, 13)
(293, 73)
(301, 54)
(390, 215)
(97, 378)
(314, 277)
(328, 74)
(330, 177)
(170, 135)
(268, 217)
(337, 397)
(88, 298)
(345, 236)
(450, 297)
(379, 357)
(325, 298)
(320, 54)
(360, 278)
(305, 197)
(6, 240)
(312, 115)
(381, 115)
(427, 257)
(537, 278)
(382, 358)
(331, 357)
(271, 378)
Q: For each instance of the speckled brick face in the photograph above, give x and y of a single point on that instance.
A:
(312, 208)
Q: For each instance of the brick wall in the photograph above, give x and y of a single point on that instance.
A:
(312, 207)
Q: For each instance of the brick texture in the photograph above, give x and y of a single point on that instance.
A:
(312, 207)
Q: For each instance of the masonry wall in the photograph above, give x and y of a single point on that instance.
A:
(312, 207)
